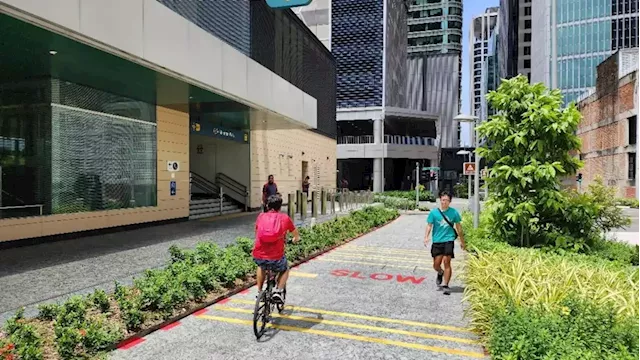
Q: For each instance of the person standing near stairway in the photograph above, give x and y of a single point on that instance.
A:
(270, 188)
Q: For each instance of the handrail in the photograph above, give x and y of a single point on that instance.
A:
(23, 207)
(388, 139)
(231, 184)
(201, 182)
(15, 197)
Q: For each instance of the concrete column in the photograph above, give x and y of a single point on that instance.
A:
(377, 175)
(377, 131)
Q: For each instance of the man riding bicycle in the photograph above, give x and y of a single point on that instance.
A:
(268, 251)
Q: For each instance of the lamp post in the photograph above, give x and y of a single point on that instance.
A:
(476, 176)
(467, 152)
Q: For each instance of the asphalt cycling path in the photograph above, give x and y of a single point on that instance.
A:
(374, 298)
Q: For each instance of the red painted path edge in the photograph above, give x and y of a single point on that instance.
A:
(138, 337)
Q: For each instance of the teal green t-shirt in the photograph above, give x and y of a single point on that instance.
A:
(442, 232)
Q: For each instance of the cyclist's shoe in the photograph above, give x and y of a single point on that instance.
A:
(439, 278)
(278, 297)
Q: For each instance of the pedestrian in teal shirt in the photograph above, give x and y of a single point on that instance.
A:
(443, 227)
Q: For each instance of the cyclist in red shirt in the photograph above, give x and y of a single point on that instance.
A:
(268, 251)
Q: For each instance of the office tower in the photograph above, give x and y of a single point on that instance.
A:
(480, 33)
(435, 62)
(573, 37)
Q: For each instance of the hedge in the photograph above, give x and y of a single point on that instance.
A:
(89, 326)
(536, 304)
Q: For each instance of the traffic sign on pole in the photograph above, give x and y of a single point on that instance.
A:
(469, 168)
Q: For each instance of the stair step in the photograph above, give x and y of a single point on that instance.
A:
(213, 209)
(212, 214)
(203, 201)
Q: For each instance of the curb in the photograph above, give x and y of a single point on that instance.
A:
(138, 337)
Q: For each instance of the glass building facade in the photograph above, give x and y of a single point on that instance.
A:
(580, 35)
(435, 26)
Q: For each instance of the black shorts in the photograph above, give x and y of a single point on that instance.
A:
(445, 248)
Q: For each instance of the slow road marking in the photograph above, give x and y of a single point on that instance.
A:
(365, 317)
(472, 354)
(354, 326)
(375, 264)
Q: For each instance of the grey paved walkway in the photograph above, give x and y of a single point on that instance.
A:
(52, 272)
(374, 298)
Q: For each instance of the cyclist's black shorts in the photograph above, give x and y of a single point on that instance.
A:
(443, 248)
(275, 265)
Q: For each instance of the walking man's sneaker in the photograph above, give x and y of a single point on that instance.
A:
(439, 278)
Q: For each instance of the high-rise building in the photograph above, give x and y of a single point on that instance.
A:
(524, 37)
(380, 139)
(435, 62)
(514, 39)
(481, 32)
(574, 36)
(435, 26)
(317, 17)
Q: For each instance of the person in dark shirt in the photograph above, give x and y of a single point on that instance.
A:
(270, 188)
(305, 186)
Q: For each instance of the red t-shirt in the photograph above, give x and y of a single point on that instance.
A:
(272, 250)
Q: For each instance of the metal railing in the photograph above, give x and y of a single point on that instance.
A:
(389, 139)
(327, 201)
(233, 186)
(40, 206)
(202, 183)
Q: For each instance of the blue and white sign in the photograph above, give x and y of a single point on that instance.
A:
(283, 4)
(172, 188)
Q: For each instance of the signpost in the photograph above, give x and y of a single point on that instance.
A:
(469, 168)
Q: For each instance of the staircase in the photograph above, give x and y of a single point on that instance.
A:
(204, 208)
(206, 200)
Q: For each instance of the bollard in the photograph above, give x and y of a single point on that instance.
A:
(291, 208)
(314, 204)
(323, 202)
(341, 200)
(303, 206)
(299, 201)
(333, 202)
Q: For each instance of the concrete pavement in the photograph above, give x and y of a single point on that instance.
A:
(374, 298)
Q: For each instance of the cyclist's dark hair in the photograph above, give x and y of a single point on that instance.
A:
(445, 193)
(274, 202)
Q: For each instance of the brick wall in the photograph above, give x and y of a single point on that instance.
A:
(604, 129)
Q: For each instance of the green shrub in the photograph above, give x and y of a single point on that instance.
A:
(411, 195)
(48, 312)
(100, 299)
(633, 203)
(577, 329)
(23, 337)
(395, 202)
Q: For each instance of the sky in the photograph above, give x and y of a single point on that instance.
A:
(471, 8)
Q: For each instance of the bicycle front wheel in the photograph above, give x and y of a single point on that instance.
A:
(261, 314)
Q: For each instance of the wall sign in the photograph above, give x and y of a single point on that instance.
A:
(208, 129)
(173, 166)
(200, 149)
(172, 188)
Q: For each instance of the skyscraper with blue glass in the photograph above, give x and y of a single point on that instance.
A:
(573, 36)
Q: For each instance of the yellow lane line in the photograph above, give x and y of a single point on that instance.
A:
(302, 274)
(365, 317)
(350, 337)
(355, 326)
(384, 249)
(376, 264)
(376, 257)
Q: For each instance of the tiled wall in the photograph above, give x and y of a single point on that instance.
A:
(173, 144)
(280, 152)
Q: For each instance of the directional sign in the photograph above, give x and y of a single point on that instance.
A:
(173, 166)
(431, 168)
(172, 188)
(469, 168)
(280, 4)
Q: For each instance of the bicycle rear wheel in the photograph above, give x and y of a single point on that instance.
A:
(261, 314)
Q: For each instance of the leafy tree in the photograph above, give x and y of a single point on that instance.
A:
(531, 139)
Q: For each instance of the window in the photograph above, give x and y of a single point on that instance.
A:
(454, 39)
(527, 37)
(527, 63)
(417, 27)
(527, 24)
(527, 50)
(632, 166)
(527, 11)
(633, 128)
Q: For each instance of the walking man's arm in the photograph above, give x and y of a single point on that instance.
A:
(460, 235)
(427, 234)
